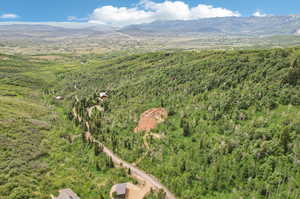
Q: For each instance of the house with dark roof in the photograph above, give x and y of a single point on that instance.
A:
(67, 194)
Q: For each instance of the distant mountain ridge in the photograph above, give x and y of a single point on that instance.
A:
(211, 33)
(51, 30)
(271, 25)
(254, 26)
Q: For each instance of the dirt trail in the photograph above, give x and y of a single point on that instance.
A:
(136, 172)
(146, 144)
(140, 175)
(154, 135)
(90, 110)
(76, 115)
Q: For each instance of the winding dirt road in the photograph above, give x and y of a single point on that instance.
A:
(136, 172)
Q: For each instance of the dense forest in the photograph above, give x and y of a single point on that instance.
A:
(233, 128)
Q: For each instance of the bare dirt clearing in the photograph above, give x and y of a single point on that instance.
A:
(150, 118)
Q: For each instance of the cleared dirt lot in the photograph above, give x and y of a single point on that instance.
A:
(150, 118)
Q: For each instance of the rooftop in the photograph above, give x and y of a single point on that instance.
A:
(121, 189)
(67, 194)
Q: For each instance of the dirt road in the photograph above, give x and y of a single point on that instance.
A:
(136, 171)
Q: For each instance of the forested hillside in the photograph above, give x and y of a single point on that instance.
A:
(233, 126)
(36, 159)
(233, 129)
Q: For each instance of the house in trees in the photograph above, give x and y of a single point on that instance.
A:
(120, 191)
(103, 95)
(59, 97)
(129, 190)
(66, 194)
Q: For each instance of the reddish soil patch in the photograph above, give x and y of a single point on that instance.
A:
(150, 118)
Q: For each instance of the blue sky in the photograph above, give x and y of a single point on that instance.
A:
(84, 10)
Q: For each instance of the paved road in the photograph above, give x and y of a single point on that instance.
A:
(136, 171)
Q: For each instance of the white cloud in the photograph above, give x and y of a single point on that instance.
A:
(120, 16)
(9, 16)
(207, 11)
(149, 11)
(168, 10)
(259, 14)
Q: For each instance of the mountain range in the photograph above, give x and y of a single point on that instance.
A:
(211, 33)
(271, 25)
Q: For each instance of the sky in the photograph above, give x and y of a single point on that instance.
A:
(126, 12)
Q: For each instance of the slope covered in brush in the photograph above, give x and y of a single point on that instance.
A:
(35, 158)
(233, 127)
